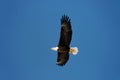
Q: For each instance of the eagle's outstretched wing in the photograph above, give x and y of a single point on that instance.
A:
(64, 42)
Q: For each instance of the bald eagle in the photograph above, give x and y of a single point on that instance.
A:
(63, 47)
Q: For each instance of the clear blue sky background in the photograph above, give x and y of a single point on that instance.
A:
(29, 28)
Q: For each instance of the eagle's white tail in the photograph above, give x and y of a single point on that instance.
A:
(73, 50)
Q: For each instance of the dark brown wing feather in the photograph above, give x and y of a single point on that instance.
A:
(64, 42)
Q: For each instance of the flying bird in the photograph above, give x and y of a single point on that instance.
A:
(63, 47)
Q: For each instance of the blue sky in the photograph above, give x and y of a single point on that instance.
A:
(29, 28)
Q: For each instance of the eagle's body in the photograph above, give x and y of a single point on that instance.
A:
(64, 42)
(63, 48)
